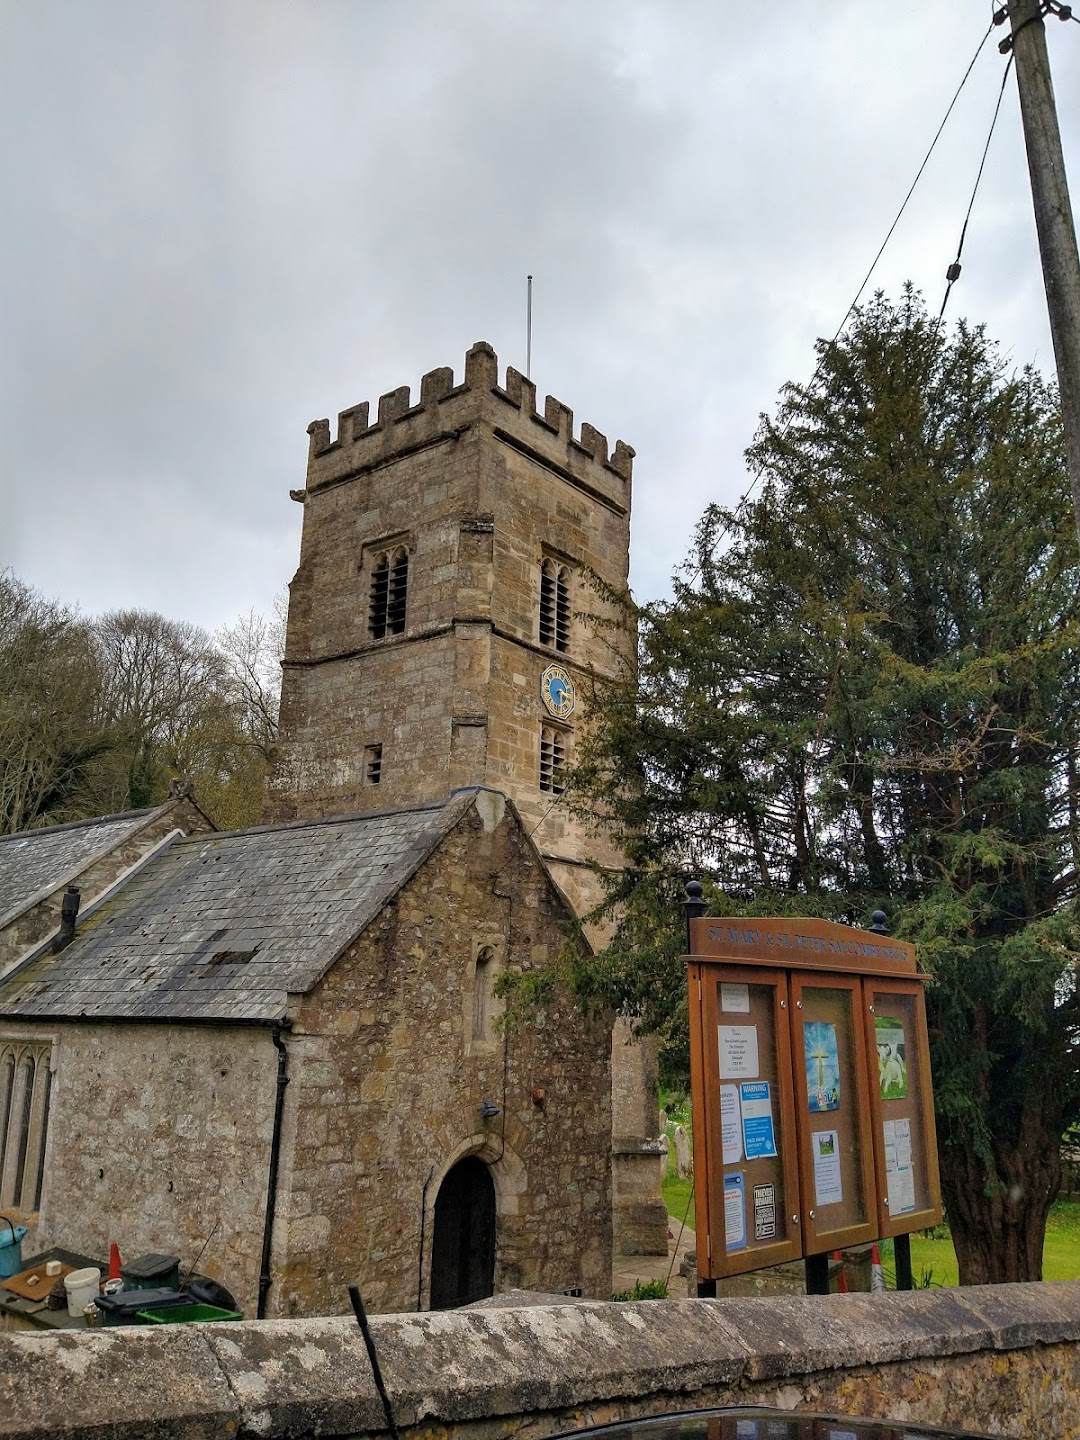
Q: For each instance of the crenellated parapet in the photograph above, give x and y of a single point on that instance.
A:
(445, 409)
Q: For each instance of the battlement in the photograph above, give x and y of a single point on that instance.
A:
(400, 425)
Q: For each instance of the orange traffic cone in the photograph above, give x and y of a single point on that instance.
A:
(841, 1279)
(114, 1262)
(877, 1277)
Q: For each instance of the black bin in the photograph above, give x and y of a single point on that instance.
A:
(152, 1272)
(121, 1308)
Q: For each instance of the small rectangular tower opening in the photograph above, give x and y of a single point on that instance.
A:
(372, 764)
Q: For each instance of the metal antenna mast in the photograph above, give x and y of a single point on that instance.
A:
(528, 330)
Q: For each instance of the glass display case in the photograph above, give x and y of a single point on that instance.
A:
(902, 1107)
(749, 1198)
(810, 1077)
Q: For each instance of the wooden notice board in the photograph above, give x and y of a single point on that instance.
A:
(813, 1106)
(836, 1162)
(746, 1206)
(800, 944)
(901, 1107)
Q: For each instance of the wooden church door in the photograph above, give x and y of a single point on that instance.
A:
(463, 1244)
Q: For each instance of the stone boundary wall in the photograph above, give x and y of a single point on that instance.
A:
(1001, 1359)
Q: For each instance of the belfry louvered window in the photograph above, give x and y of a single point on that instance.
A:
(552, 759)
(555, 605)
(389, 585)
(25, 1081)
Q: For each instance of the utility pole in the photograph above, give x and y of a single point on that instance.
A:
(1053, 213)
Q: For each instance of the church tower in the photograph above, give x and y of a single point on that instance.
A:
(435, 637)
(435, 640)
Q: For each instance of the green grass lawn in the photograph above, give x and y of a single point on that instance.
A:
(1061, 1252)
(676, 1196)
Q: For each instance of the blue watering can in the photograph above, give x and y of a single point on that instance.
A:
(11, 1247)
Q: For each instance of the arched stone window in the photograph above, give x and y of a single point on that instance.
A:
(389, 590)
(555, 604)
(483, 993)
(25, 1082)
(7, 1095)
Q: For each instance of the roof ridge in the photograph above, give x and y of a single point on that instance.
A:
(433, 806)
(83, 824)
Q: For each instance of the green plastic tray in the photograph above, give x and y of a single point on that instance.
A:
(187, 1315)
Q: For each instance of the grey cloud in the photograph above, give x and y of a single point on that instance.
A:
(229, 218)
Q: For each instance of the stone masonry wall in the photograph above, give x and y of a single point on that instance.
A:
(404, 704)
(997, 1359)
(479, 487)
(157, 1134)
(388, 1080)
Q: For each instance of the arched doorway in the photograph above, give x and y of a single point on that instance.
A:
(463, 1243)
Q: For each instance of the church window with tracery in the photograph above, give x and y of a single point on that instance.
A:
(389, 587)
(555, 604)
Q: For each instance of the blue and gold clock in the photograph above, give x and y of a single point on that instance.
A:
(557, 692)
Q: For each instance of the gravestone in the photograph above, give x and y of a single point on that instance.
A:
(684, 1160)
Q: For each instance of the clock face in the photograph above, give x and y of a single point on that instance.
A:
(557, 691)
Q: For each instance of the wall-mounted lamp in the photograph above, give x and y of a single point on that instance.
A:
(489, 1109)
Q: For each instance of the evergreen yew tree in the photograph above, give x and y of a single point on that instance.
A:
(865, 693)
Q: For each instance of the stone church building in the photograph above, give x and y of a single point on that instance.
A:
(284, 1041)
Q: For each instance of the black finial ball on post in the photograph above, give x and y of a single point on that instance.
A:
(694, 906)
(879, 923)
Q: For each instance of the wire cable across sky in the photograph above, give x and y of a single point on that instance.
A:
(695, 570)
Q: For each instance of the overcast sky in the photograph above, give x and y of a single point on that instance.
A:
(224, 218)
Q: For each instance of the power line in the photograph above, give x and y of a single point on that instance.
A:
(953, 272)
(695, 571)
(911, 191)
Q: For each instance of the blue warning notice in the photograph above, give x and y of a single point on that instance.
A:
(759, 1137)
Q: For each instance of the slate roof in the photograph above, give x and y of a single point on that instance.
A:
(34, 863)
(225, 927)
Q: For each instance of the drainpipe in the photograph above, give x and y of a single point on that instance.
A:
(265, 1280)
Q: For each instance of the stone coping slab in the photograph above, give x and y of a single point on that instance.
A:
(293, 1378)
(1020, 1315)
(139, 1383)
(518, 1299)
